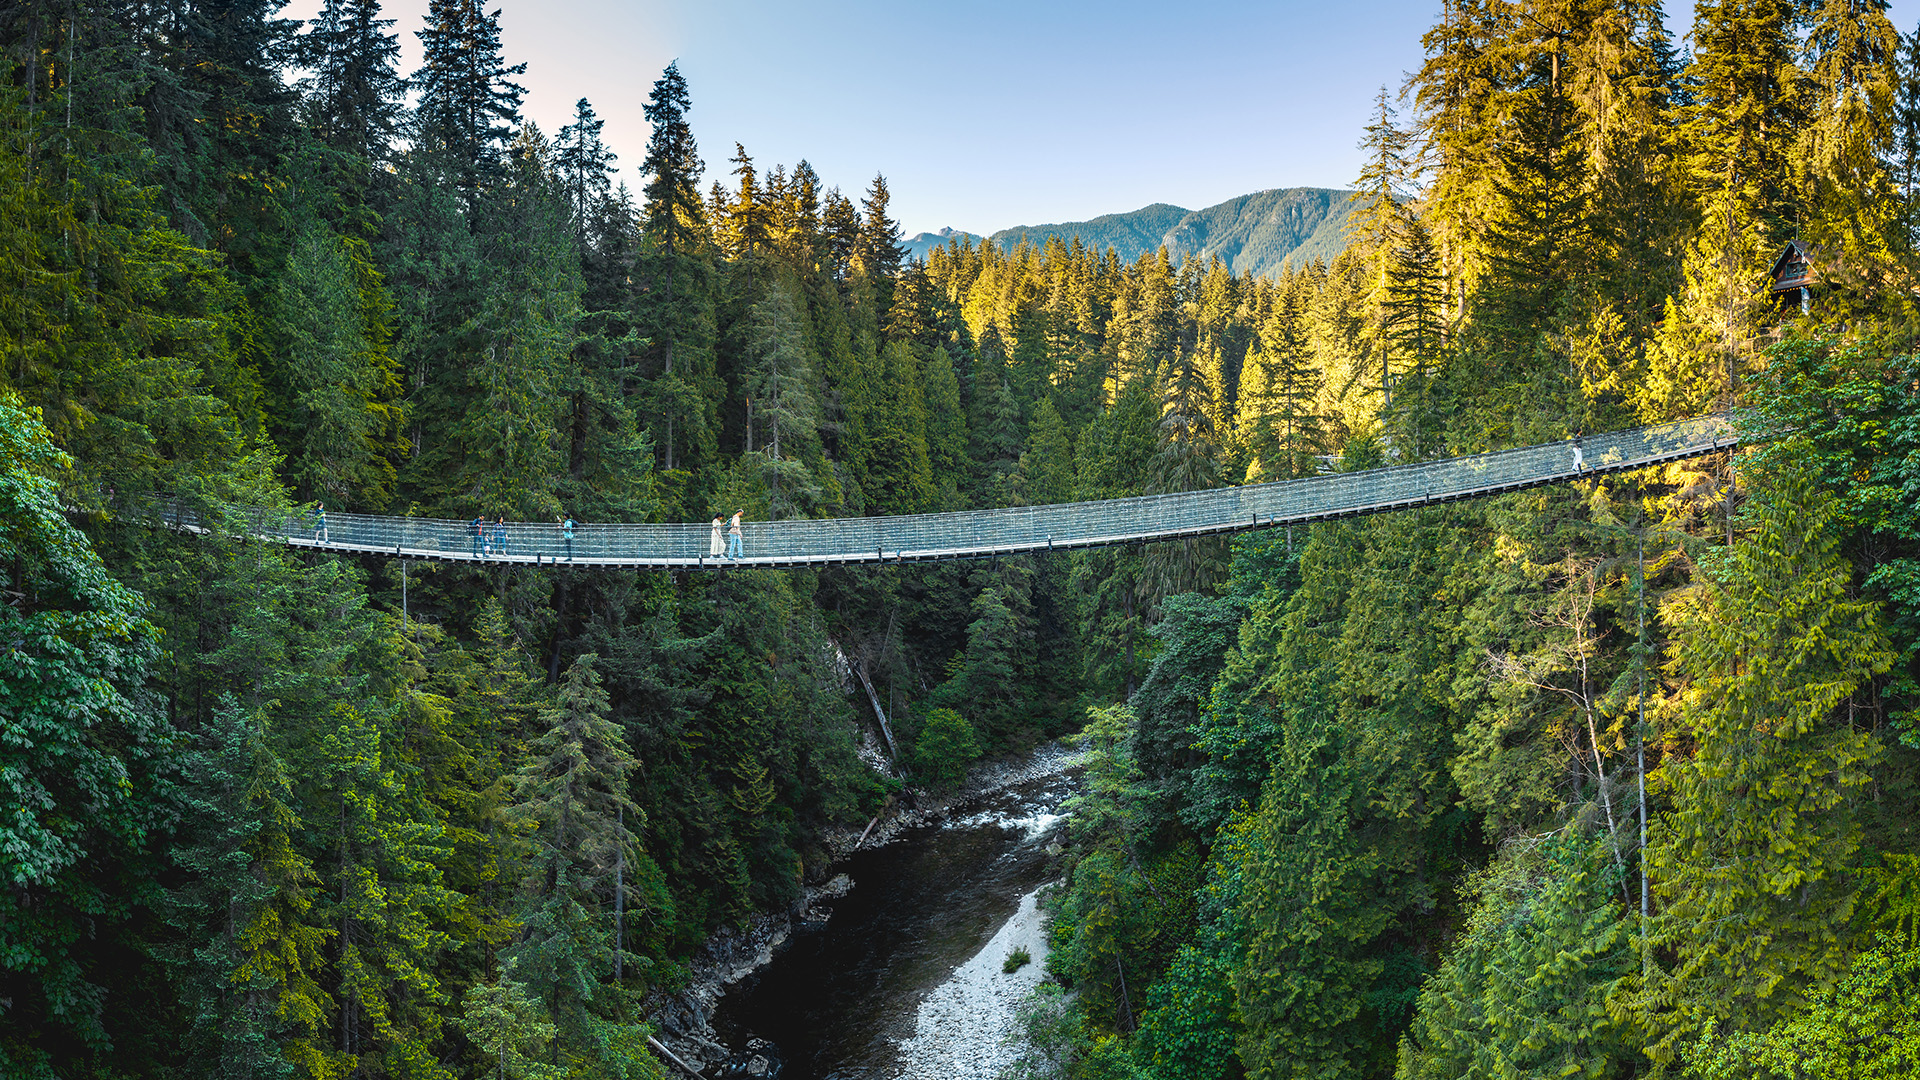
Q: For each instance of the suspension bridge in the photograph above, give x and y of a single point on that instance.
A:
(973, 534)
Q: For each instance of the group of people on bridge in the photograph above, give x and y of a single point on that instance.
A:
(731, 550)
(490, 537)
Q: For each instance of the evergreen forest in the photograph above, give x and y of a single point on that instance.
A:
(1613, 779)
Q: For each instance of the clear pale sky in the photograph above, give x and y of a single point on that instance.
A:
(985, 114)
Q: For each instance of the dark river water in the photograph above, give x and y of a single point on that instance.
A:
(839, 999)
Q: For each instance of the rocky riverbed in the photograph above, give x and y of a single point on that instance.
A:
(878, 979)
(965, 1023)
(686, 1018)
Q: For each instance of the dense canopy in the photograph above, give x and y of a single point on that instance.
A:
(1609, 779)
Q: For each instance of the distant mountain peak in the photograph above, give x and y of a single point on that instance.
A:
(919, 244)
(1253, 233)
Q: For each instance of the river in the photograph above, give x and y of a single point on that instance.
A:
(840, 1000)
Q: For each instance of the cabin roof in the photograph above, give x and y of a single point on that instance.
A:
(1794, 270)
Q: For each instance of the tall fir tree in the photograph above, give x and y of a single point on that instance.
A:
(353, 92)
(469, 106)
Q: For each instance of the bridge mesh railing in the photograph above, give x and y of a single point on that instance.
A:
(974, 532)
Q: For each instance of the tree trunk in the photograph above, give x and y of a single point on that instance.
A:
(620, 900)
(860, 669)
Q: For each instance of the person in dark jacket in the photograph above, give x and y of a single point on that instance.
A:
(500, 535)
(475, 528)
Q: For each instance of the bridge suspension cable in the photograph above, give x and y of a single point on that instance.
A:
(969, 534)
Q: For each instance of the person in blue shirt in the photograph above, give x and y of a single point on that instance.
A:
(474, 530)
(566, 533)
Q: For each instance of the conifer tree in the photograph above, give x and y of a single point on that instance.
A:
(946, 428)
(1537, 237)
(1907, 160)
(895, 471)
(582, 165)
(1413, 333)
(502, 447)
(879, 253)
(1111, 463)
(335, 383)
(1848, 143)
(381, 895)
(1046, 467)
(1455, 92)
(1743, 108)
(992, 674)
(219, 122)
(1384, 182)
(469, 105)
(232, 847)
(130, 310)
(840, 224)
(796, 218)
(675, 310)
(1752, 860)
(1187, 459)
(353, 94)
(581, 828)
(1339, 841)
(782, 414)
(1524, 990)
(1278, 429)
(995, 434)
(747, 213)
(1147, 312)
(672, 208)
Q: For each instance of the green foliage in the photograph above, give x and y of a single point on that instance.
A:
(1753, 859)
(1846, 414)
(336, 383)
(945, 748)
(1866, 1026)
(318, 834)
(510, 1030)
(1523, 991)
(1047, 1036)
(77, 763)
(1126, 908)
(1189, 1025)
(1194, 635)
(1016, 960)
(1350, 818)
(581, 869)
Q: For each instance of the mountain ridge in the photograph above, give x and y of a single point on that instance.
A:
(1253, 233)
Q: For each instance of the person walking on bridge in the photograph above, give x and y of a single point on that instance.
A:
(566, 533)
(500, 535)
(716, 544)
(475, 529)
(733, 535)
(320, 524)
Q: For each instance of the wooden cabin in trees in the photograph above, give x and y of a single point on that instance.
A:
(1794, 277)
